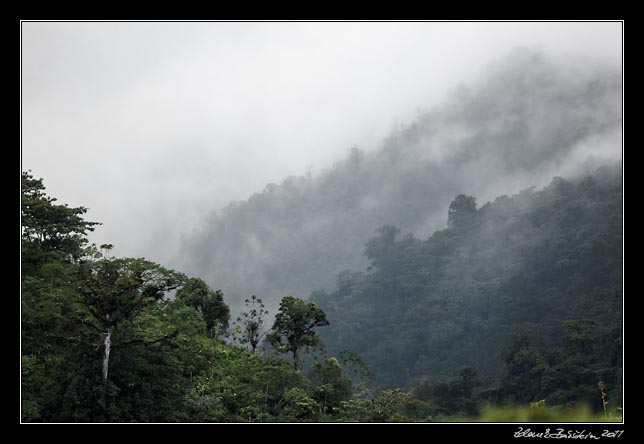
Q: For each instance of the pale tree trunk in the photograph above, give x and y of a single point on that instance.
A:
(108, 345)
(266, 395)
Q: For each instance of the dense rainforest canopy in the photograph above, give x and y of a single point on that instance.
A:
(527, 290)
(517, 302)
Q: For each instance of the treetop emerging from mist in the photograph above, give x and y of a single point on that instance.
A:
(526, 119)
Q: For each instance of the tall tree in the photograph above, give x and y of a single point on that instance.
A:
(250, 330)
(48, 228)
(196, 294)
(115, 290)
(294, 325)
(460, 210)
(53, 239)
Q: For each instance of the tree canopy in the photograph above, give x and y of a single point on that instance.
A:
(544, 266)
(518, 302)
(293, 330)
(196, 294)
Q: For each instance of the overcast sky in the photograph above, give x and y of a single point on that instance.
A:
(152, 125)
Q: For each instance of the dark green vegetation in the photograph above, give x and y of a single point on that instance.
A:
(515, 303)
(293, 327)
(102, 342)
(518, 301)
(510, 311)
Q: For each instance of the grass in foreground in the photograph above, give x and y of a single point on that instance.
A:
(538, 412)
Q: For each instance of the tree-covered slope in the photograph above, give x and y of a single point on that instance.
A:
(102, 342)
(523, 264)
(526, 120)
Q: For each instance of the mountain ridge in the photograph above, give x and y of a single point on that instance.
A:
(522, 264)
(527, 120)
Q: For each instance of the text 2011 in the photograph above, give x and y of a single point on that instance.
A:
(612, 434)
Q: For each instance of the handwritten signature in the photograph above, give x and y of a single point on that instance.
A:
(566, 434)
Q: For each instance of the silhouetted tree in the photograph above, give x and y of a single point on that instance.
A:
(460, 210)
(294, 325)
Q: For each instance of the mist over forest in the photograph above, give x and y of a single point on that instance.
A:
(468, 267)
(527, 118)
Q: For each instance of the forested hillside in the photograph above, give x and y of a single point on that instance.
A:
(393, 286)
(517, 303)
(526, 289)
(102, 341)
(526, 120)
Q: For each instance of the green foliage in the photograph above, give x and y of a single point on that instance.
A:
(49, 230)
(30, 377)
(520, 265)
(330, 386)
(526, 368)
(583, 368)
(388, 403)
(115, 289)
(196, 294)
(431, 315)
(541, 413)
(356, 409)
(457, 396)
(249, 329)
(391, 405)
(298, 406)
(165, 363)
(293, 327)
(355, 368)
